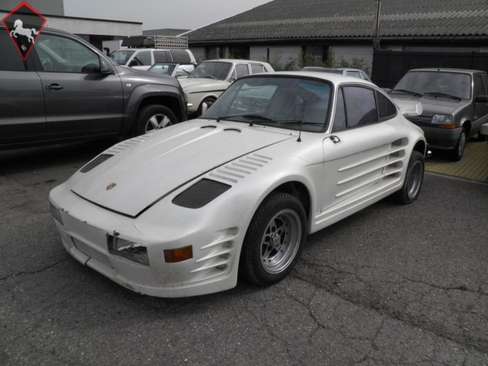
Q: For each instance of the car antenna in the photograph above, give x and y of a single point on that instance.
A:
(301, 121)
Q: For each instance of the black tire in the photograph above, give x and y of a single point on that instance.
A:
(413, 180)
(274, 240)
(209, 101)
(154, 117)
(458, 151)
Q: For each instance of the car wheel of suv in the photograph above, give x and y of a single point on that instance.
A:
(154, 117)
(273, 240)
(413, 180)
(458, 151)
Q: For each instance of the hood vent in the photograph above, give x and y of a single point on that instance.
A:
(239, 169)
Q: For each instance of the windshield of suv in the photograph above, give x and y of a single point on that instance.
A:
(435, 83)
(278, 101)
(121, 57)
(212, 70)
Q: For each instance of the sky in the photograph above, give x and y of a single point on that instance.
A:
(158, 14)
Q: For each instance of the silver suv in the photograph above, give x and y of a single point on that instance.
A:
(67, 89)
(455, 105)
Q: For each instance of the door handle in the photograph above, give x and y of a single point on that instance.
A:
(54, 87)
(335, 139)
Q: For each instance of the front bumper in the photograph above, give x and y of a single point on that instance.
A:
(441, 139)
(213, 267)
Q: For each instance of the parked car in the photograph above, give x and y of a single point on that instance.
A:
(484, 132)
(179, 71)
(204, 85)
(67, 89)
(343, 71)
(455, 105)
(277, 157)
(144, 58)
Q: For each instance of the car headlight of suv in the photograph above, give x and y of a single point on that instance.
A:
(442, 119)
(132, 251)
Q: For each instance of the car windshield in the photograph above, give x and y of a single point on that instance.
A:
(435, 83)
(285, 102)
(121, 57)
(212, 70)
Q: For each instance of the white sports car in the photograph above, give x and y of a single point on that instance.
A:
(183, 211)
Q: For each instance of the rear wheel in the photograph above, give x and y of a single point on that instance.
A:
(274, 240)
(413, 180)
(154, 117)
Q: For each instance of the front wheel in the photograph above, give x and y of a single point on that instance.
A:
(274, 240)
(208, 102)
(458, 151)
(413, 180)
(154, 117)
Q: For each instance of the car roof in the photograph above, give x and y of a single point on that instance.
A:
(235, 61)
(334, 78)
(461, 71)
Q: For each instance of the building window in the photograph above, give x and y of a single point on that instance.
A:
(239, 52)
(212, 53)
(314, 55)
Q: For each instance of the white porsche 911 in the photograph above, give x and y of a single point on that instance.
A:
(183, 211)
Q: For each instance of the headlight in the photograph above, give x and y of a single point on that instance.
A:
(132, 251)
(442, 119)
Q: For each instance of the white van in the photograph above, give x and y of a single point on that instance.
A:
(143, 58)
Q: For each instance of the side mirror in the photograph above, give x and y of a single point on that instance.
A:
(133, 63)
(410, 108)
(105, 67)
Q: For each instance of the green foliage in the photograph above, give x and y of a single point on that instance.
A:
(302, 60)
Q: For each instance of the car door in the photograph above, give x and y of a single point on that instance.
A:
(79, 99)
(22, 113)
(363, 139)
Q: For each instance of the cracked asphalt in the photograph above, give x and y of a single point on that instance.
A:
(391, 285)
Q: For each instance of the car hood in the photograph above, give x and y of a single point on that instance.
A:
(203, 84)
(141, 173)
(433, 105)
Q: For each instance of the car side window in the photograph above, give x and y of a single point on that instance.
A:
(143, 58)
(354, 73)
(59, 54)
(479, 86)
(360, 106)
(162, 56)
(242, 70)
(10, 60)
(257, 68)
(340, 114)
(386, 108)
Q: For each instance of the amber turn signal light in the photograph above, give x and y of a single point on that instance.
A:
(178, 255)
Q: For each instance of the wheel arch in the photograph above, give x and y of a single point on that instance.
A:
(300, 191)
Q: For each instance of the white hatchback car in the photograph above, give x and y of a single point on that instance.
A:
(204, 85)
(184, 210)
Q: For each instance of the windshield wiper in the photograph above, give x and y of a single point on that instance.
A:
(437, 94)
(407, 91)
(208, 77)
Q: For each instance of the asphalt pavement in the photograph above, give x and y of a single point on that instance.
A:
(390, 285)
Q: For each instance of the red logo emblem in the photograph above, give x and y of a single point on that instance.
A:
(24, 24)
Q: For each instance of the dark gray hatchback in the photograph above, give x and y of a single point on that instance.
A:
(66, 89)
(455, 105)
